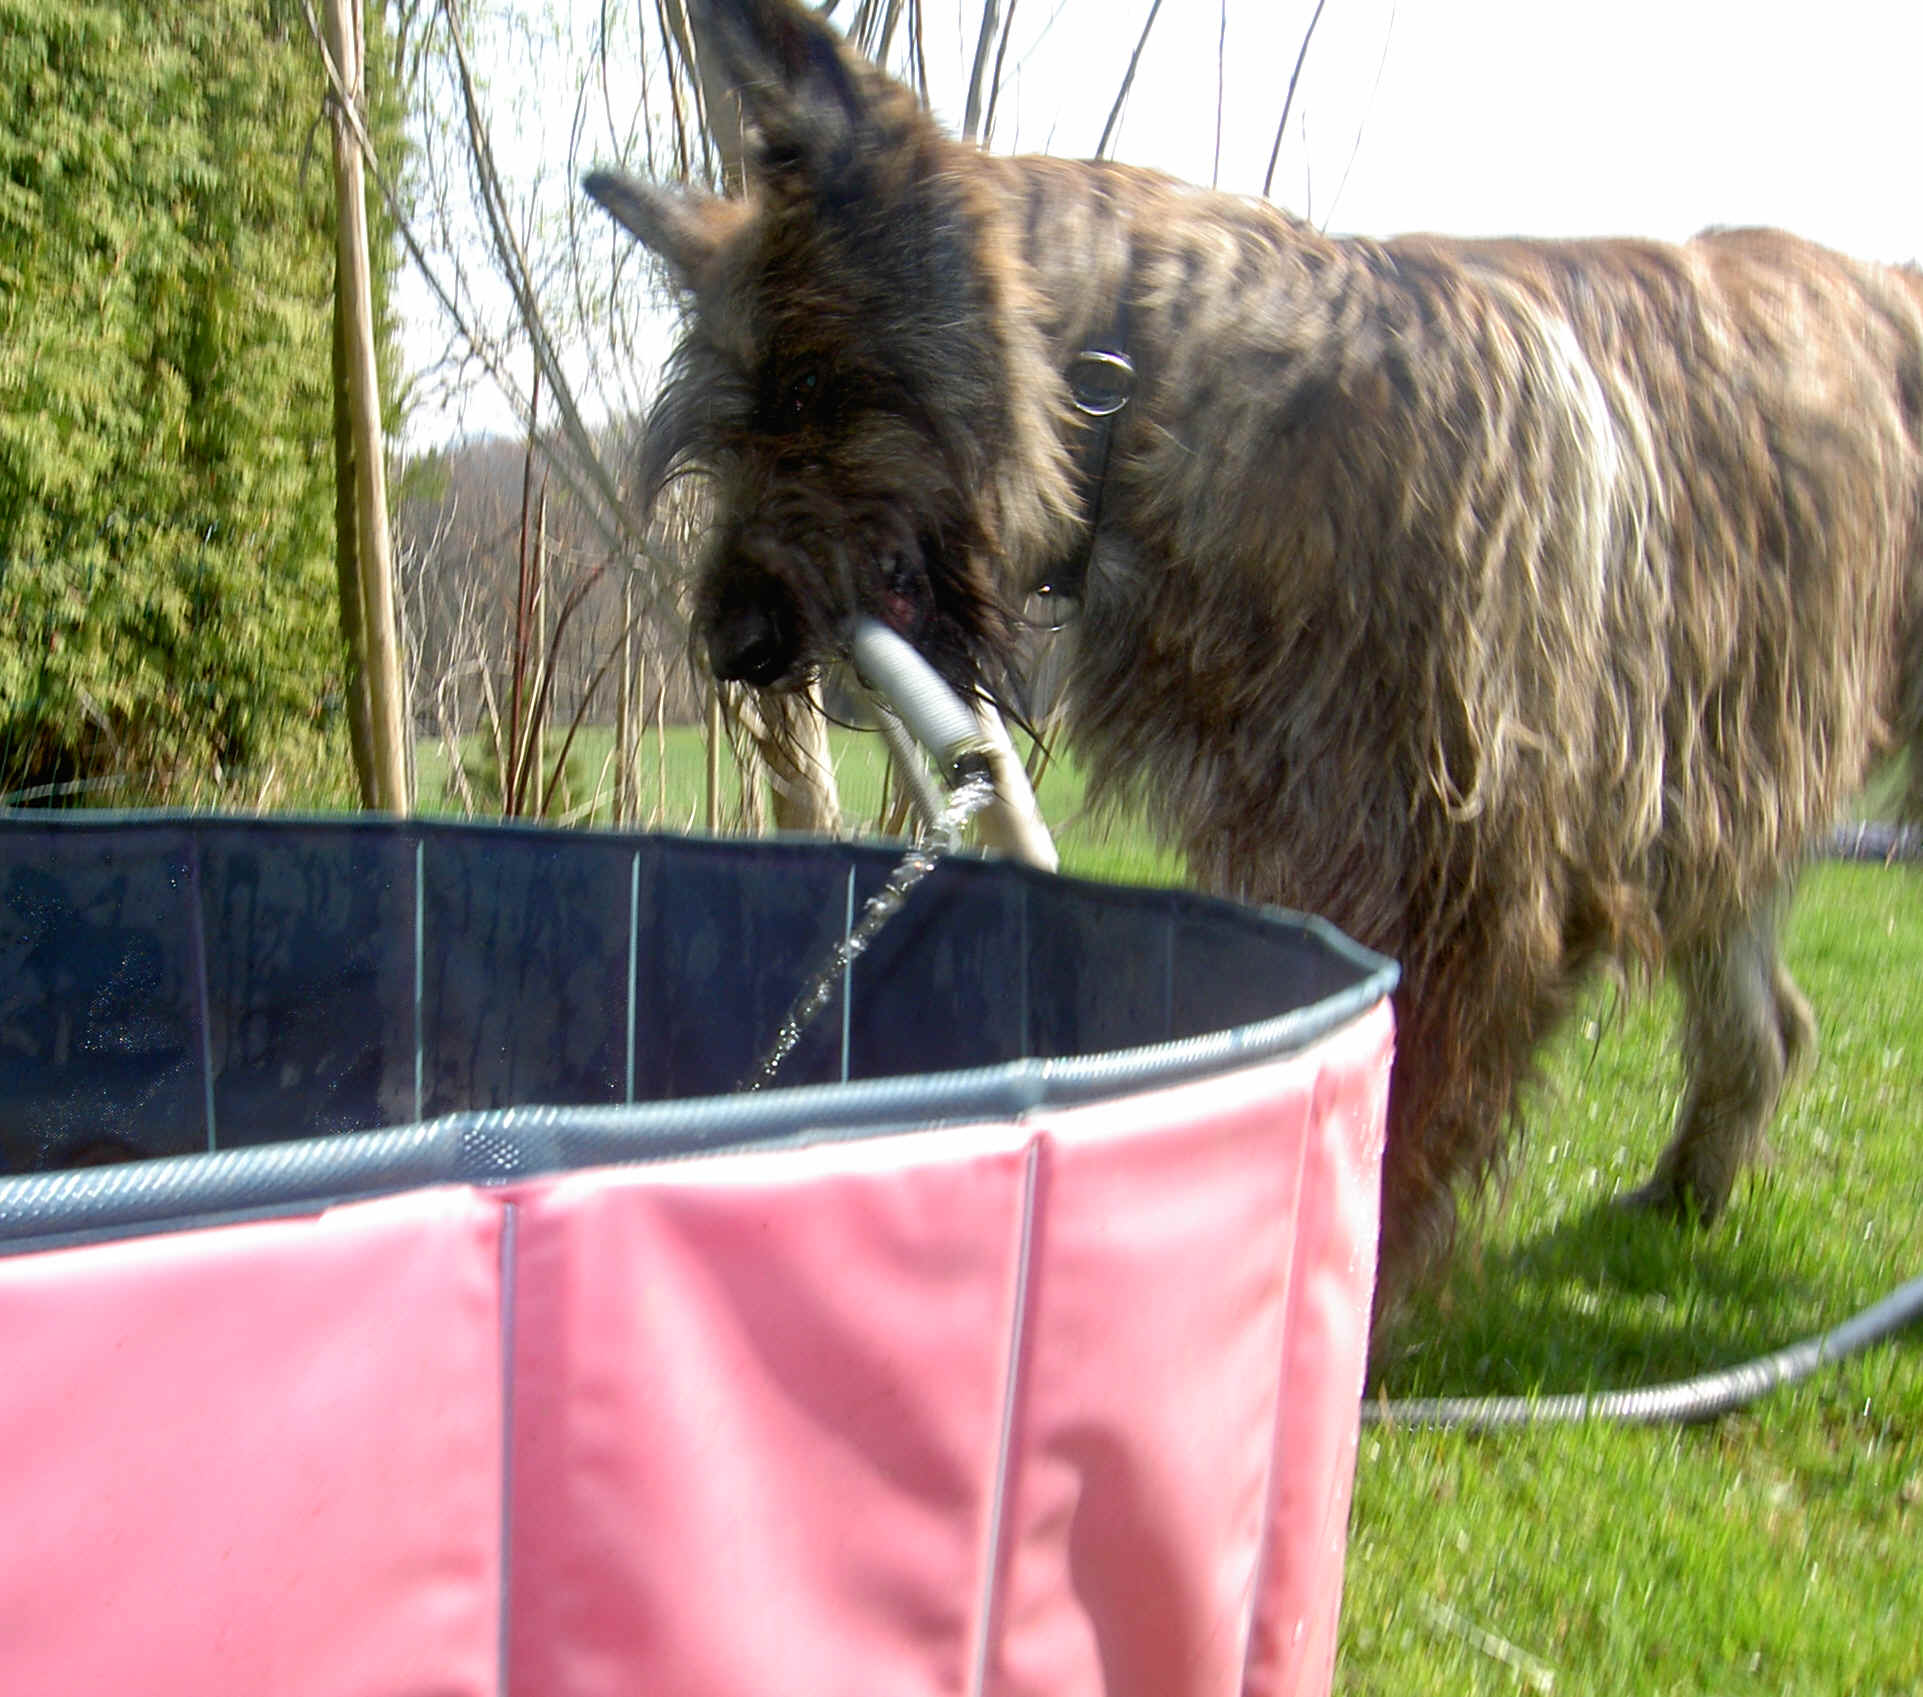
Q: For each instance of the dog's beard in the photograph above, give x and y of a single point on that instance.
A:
(792, 562)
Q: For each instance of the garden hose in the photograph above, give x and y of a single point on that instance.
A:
(1684, 1402)
(1709, 1394)
(964, 740)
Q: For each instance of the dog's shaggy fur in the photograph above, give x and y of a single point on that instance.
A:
(1518, 605)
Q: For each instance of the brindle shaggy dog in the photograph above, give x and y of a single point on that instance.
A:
(1518, 605)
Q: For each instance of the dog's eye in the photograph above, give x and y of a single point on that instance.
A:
(802, 394)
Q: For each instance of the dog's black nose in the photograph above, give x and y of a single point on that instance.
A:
(752, 642)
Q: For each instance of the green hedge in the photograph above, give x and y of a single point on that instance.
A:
(167, 602)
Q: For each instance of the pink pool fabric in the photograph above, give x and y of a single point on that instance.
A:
(1064, 1406)
(259, 1459)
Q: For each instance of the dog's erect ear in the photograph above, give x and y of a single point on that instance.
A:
(685, 227)
(801, 90)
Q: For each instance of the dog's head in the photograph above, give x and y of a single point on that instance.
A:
(858, 375)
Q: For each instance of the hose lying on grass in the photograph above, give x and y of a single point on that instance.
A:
(1875, 840)
(1701, 1398)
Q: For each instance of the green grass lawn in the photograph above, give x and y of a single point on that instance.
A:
(1779, 1550)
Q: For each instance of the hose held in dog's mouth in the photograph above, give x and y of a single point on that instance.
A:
(889, 667)
(964, 742)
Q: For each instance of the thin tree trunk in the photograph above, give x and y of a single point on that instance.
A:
(384, 688)
(624, 713)
(544, 662)
(661, 753)
(512, 781)
(347, 562)
(715, 738)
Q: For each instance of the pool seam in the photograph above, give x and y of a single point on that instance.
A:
(1012, 1382)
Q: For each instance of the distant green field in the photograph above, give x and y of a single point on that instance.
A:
(673, 797)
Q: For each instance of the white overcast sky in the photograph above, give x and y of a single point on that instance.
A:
(1548, 117)
(1530, 117)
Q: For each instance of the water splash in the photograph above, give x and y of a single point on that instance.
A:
(968, 799)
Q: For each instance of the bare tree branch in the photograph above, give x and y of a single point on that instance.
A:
(722, 117)
(872, 29)
(1221, 74)
(918, 50)
(582, 465)
(1128, 82)
(972, 116)
(1288, 100)
(995, 86)
(890, 24)
(1355, 147)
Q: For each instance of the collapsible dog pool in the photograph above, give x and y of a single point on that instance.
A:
(463, 1329)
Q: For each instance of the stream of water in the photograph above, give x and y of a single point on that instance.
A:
(968, 799)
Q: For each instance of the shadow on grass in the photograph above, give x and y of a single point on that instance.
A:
(1603, 1299)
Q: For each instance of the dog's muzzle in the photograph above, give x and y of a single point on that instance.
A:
(753, 631)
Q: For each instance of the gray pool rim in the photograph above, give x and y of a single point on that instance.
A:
(501, 1145)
